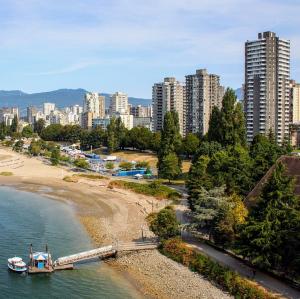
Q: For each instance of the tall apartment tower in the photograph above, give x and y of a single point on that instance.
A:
(167, 96)
(95, 104)
(294, 102)
(267, 79)
(47, 108)
(119, 103)
(203, 92)
(31, 114)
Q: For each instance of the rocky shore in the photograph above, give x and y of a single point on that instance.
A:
(159, 277)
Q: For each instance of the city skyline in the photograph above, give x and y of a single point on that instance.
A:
(108, 46)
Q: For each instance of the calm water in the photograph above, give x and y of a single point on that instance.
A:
(27, 218)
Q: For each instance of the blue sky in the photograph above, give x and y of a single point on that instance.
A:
(128, 45)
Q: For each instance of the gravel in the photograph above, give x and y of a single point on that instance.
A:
(160, 277)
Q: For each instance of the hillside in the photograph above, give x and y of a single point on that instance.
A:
(292, 169)
(61, 97)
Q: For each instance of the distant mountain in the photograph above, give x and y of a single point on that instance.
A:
(239, 94)
(61, 98)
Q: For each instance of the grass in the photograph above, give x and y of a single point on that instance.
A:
(153, 189)
(6, 173)
(91, 176)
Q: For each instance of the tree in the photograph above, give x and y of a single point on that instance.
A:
(228, 125)
(190, 145)
(169, 147)
(169, 167)
(112, 140)
(269, 238)
(39, 126)
(3, 130)
(27, 131)
(126, 165)
(34, 148)
(55, 156)
(155, 142)
(53, 132)
(164, 224)
(142, 164)
(14, 125)
(198, 178)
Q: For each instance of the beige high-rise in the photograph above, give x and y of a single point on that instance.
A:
(203, 92)
(94, 103)
(295, 102)
(267, 78)
(167, 96)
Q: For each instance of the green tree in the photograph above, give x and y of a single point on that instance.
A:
(269, 237)
(112, 139)
(3, 130)
(39, 126)
(14, 125)
(34, 148)
(190, 145)
(228, 125)
(109, 165)
(27, 131)
(53, 132)
(55, 156)
(18, 146)
(164, 224)
(169, 167)
(155, 142)
(169, 146)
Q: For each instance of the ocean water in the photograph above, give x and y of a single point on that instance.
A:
(27, 218)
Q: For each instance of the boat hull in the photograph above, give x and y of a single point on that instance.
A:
(17, 270)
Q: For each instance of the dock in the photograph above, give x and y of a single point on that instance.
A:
(41, 262)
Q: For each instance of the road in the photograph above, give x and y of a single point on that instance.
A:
(235, 264)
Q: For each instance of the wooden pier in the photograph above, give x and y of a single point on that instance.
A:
(41, 262)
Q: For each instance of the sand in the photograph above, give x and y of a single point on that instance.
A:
(109, 215)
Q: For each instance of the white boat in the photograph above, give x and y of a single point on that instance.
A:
(16, 264)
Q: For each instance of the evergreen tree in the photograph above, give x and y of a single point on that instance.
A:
(39, 126)
(228, 125)
(14, 125)
(169, 167)
(3, 130)
(112, 141)
(269, 238)
(27, 131)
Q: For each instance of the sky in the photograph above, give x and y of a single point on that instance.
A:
(127, 45)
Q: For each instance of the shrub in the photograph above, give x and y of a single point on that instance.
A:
(126, 165)
(70, 179)
(6, 173)
(110, 165)
(142, 164)
(92, 176)
(223, 276)
(82, 163)
(153, 189)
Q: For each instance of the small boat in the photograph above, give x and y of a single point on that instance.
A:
(16, 264)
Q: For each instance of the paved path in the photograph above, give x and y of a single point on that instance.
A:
(264, 279)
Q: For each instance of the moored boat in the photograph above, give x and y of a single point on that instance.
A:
(16, 264)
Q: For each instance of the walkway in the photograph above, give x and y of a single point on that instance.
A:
(262, 278)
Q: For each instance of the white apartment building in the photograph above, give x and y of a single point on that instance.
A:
(119, 103)
(94, 103)
(167, 96)
(47, 108)
(126, 119)
(267, 79)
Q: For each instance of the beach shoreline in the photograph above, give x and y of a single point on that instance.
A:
(109, 215)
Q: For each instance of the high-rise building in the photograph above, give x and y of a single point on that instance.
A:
(203, 92)
(48, 108)
(119, 103)
(267, 79)
(167, 96)
(294, 102)
(95, 104)
(141, 111)
(31, 114)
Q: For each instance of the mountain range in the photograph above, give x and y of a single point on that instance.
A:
(61, 98)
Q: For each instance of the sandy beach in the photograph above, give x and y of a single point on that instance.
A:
(109, 215)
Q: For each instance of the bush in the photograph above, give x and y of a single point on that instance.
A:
(110, 165)
(142, 164)
(6, 173)
(223, 276)
(153, 189)
(82, 163)
(70, 179)
(92, 176)
(126, 165)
